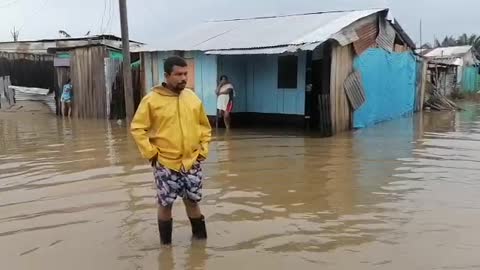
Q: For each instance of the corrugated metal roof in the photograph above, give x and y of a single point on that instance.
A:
(41, 46)
(264, 32)
(91, 37)
(270, 50)
(456, 51)
(367, 37)
(386, 36)
(450, 61)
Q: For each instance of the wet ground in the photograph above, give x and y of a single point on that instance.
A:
(401, 195)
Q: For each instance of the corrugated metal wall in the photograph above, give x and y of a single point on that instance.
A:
(342, 66)
(88, 80)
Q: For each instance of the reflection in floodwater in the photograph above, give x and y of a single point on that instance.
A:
(401, 195)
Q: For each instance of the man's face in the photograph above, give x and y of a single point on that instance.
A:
(177, 80)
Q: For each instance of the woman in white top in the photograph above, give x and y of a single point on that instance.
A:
(225, 93)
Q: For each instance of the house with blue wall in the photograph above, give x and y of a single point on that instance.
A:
(453, 69)
(291, 70)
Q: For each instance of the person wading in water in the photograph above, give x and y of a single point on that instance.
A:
(66, 99)
(172, 131)
(225, 94)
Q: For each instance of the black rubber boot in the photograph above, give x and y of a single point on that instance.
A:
(165, 230)
(199, 229)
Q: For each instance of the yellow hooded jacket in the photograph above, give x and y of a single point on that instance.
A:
(172, 125)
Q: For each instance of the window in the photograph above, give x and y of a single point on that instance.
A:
(287, 71)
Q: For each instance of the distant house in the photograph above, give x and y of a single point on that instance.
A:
(452, 68)
(46, 63)
(293, 69)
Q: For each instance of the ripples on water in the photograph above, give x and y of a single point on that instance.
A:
(401, 195)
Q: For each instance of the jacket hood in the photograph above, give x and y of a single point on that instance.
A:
(164, 91)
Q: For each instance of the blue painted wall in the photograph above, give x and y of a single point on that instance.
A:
(206, 81)
(235, 67)
(255, 78)
(389, 83)
(470, 80)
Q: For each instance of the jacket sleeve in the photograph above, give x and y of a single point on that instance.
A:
(206, 132)
(139, 128)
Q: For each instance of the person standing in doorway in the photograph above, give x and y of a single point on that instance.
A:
(172, 131)
(66, 99)
(225, 94)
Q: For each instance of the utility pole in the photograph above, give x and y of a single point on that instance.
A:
(127, 72)
(421, 44)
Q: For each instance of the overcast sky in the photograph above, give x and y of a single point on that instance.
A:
(153, 20)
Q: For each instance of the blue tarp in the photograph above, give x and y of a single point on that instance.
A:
(389, 83)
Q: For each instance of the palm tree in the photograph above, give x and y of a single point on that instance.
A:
(464, 39)
(449, 41)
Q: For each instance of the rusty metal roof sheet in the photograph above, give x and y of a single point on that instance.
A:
(367, 37)
(386, 36)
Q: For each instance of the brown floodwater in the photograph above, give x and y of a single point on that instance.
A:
(401, 195)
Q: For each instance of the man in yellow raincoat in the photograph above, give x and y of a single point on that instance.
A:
(172, 131)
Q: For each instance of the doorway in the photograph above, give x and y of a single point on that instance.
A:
(317, 95)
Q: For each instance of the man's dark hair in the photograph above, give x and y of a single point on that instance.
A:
(172, 61)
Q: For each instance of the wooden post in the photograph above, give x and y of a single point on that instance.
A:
(423, 84)
(127, 72)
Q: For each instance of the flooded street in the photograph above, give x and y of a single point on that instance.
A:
(401, 195)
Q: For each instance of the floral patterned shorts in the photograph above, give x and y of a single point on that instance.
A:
(170, 184)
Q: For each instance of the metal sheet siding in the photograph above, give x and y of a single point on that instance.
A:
(354, 90)
(35, 94)
(367, 37)
(386, 36)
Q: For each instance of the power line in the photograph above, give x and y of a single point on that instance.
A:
(103, 16)
(110, 15)
(8, 4)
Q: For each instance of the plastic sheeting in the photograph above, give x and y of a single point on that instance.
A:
(389, 83)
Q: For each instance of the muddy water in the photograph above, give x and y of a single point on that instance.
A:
(402, 195)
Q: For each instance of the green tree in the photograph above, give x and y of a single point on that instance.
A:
(462, 40)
